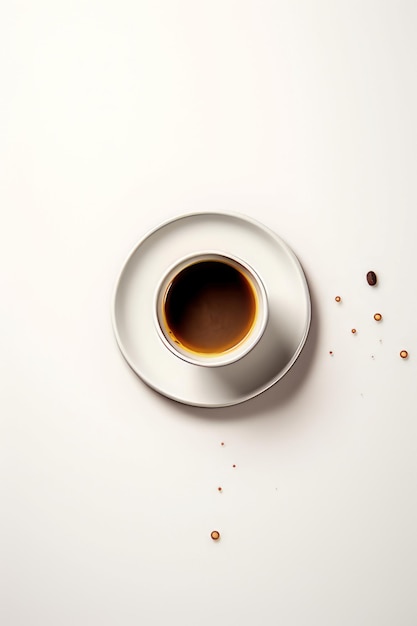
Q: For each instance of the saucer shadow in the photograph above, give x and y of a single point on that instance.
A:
(274, 398)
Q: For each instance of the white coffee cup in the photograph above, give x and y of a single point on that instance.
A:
(210, 308)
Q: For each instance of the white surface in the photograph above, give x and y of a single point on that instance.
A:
(114, 117)
(284, 288)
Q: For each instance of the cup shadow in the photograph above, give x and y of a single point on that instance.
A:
(274, 398)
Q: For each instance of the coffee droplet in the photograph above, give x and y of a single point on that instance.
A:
(233, 465)
(403, 354)
(331, 352)
(222, 443)
(371, 278)
(353, 331)
(338, 299)
(378, 317)
(215, 535)
(219, 489)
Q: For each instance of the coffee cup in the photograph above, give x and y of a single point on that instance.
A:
(210, 309)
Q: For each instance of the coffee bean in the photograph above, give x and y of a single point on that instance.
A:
(371, 278)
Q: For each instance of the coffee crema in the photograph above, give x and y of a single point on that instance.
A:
(210, 307)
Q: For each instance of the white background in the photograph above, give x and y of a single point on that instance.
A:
(114, 117)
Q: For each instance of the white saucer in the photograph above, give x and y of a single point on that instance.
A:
(288, 299)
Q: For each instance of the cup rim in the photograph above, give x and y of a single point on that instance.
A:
(247, 343)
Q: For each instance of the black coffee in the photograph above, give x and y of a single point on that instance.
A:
(210, 306)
